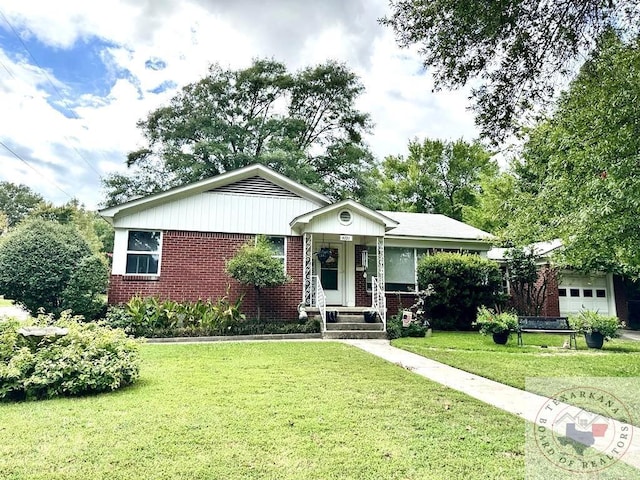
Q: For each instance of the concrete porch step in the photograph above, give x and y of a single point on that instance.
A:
(374, 327)
(354, 334)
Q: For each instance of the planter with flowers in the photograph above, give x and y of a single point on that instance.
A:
(596, 328)
(499, 325)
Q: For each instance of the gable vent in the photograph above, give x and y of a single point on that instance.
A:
(345, 217)
(255, 186)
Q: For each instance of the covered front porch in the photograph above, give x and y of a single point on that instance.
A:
(339, 283)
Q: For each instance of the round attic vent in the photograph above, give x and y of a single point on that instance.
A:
(345, 217)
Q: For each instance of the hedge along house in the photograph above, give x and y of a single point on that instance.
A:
(342, 257)
(568, 291)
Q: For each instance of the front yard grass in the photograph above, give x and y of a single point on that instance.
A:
(542, 356)
(263, 411)
(5, 302)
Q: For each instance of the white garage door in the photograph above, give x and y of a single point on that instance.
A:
(583, 293)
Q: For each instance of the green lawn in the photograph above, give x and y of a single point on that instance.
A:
(5, 303)
(263, 410)
(542, 356)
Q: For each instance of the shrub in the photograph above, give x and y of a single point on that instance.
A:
(84, 294)
(151, 317)
(588, 321)
(91, 358)
(37, 264)
(395, 329)
(461, 283)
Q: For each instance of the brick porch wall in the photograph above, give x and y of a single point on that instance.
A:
(193, 267)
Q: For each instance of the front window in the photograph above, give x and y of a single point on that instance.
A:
(143, 252)
(278, 246)
(400, 267)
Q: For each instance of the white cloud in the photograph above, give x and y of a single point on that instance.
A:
(187, 37)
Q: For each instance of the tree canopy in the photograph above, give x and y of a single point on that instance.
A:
(513, 51)
(43, 264)
(255, 265)
(17, 201)
(436, 177)
(304, 125)
(579, 178)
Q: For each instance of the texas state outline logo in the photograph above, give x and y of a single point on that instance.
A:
(564, 432)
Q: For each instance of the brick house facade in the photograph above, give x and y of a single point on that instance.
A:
(175, 245)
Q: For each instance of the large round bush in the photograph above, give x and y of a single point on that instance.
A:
(91, 358)
(44, 264)
(461, 284)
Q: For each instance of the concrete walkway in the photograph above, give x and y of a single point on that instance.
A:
(13, 312)
(518, 402)
(630, 335)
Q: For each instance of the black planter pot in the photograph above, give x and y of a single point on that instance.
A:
(370, 317)
(501, 338)
(594, 339)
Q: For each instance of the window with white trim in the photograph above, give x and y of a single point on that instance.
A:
(143, 252)
(400, 268)
(279, 247)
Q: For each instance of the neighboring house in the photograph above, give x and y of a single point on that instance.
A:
(570, 291)
(340, 256)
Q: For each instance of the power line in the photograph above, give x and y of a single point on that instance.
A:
(53, 86)
(35, 169)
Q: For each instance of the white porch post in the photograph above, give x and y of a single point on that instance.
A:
(307, 269)
(381, 279)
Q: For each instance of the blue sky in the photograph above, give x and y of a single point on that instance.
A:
(76, 76)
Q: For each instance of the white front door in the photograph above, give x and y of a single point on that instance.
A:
(331, 271)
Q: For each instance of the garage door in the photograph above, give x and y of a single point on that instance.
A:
(583, 293)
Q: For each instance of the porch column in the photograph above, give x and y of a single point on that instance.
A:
(307, 269)
(381, 279)
(380, 260)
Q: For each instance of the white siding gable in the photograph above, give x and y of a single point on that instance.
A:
(330, 223)
(222, 212)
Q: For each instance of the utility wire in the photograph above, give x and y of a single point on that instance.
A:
(53, 86)
(35, 169)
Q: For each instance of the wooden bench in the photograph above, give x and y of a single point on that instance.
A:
(546, 325)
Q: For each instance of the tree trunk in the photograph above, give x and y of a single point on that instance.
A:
(258, 304)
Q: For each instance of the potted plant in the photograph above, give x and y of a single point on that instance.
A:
(596, 327)
(370, 316)
(499, 325)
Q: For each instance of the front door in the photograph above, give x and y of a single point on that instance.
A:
(330, 268)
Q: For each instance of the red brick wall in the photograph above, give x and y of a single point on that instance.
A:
(551, 306)
(193, 267)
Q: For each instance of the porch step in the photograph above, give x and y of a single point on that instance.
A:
(354, 335)
(361, 325)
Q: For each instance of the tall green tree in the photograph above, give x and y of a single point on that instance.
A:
(495, 204)
(514, 50)
(579, 177)
(436, 177)
(16, 201)
(303, 124)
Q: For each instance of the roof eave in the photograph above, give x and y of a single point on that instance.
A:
(215, 182)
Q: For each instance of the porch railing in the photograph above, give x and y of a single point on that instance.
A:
(379, 301)
(320, 300)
